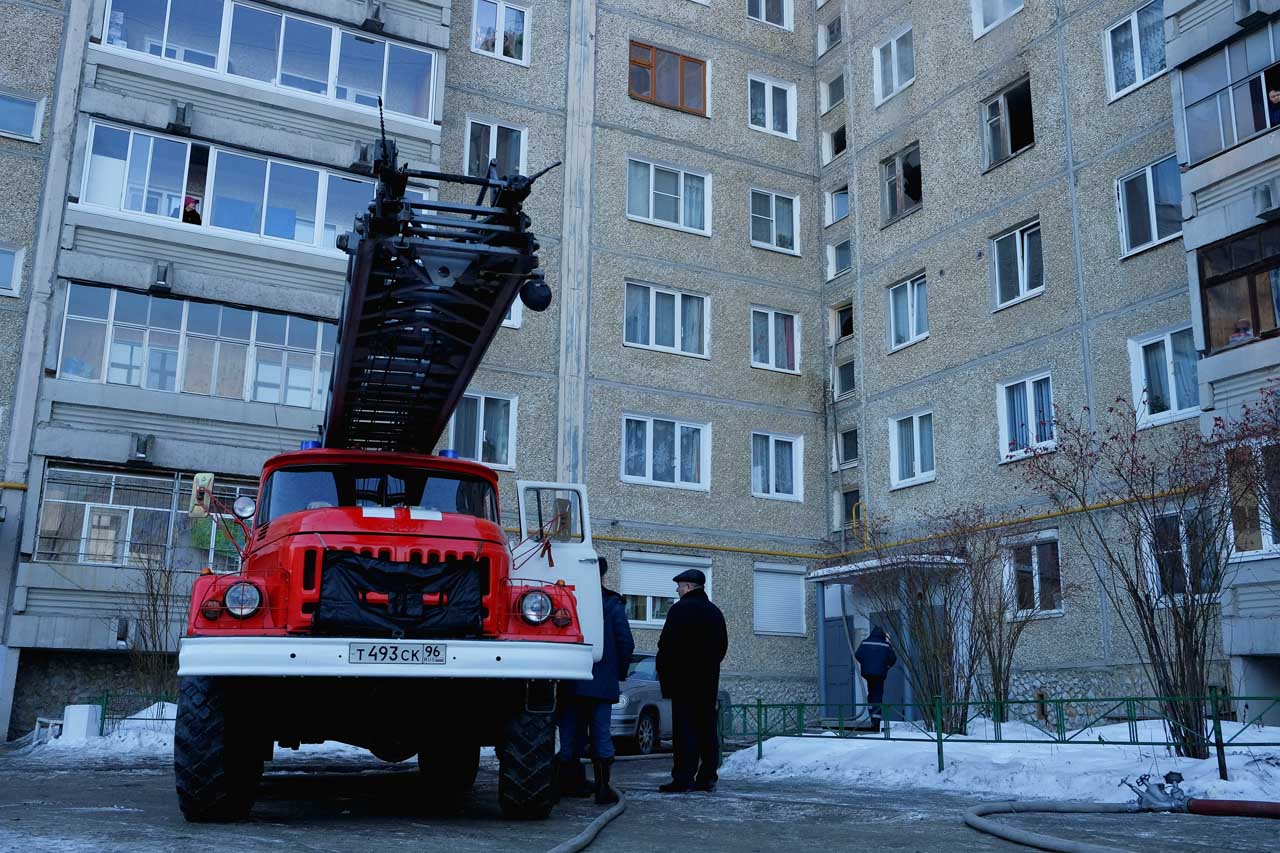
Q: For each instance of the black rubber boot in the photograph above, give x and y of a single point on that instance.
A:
(605, 795)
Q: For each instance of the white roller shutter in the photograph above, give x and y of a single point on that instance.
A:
(779, 599)
(651, 574)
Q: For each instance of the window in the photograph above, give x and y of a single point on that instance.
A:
(218, 189)
(833, 144)
(911, 450)
(110, 518)
(1255, 517)
(779, 600)
(894, 65)
(1135, 49)
(498, 16)
(776, 12)
(1225, 95)
(1240, 288)
(645, 582)
(1150, 203)
(1164, 377)
(663, 452)
(669, 196)
(846, 379)
(667, 320)
(20, 116)
(1019, 268)
(837, 204)
(830, 34)
(491, 141)
(839, 258)
(11, 271)
(1033, 575)
(851, 508)
(771, 106)
(908, 312)
(483, 429)
(1007, 124)
(514, 316)
(668, 79)
(988, 14)
(122, 337)
(847, 448)
(775, 340)
(842, 322)
(1025, 410)
(775, 221)
(833, 92)
(777, 466)
(268, 48)
(1178, 545)
(900, 184)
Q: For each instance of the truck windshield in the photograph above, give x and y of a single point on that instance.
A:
(322, 486)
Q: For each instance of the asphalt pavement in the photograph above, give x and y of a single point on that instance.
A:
(314, 805)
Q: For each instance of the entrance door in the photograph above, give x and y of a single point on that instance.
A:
(895, 684)
(838, 666)
(555, 528)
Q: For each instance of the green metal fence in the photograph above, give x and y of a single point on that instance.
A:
(1064, 721)
(140, 710)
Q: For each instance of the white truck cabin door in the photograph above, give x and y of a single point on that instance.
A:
(557, 513)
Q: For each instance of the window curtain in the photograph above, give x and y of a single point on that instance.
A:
(1032, 260)
(922, 307)
(900, 318)
(757, 103)
(1123, 70)
(638, 188)
(759, 337)
(1151, 37)
(784, 476)
(760, 464)
(906, 449)
(634, 441)
(1015, 404)
(690, 454)
(1153, 365)
(694, 202)
(925, 426)
(664, 319)
(1184, 369)
(497, 431)
(466, 426)
(1043, 390)
(664, 451)
(691, 323)
(637, 310)
(784, 341)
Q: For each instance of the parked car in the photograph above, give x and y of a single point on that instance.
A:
(641, 717)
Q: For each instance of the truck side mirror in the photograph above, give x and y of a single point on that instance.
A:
(201, 496)
(244, 508)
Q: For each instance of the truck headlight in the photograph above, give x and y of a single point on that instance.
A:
(535, 607)
(242, 600)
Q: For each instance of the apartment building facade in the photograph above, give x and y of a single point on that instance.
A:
(1225, 61)
(1002, 196)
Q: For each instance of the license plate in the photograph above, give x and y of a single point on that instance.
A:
(406, 653)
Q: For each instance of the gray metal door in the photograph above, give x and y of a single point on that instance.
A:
(895, 684)
(839, 666)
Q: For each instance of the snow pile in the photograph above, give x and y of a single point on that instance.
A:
(1090, 769)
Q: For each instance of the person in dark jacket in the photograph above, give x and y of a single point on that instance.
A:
(588, 705)
(690, 649)
(875, 657)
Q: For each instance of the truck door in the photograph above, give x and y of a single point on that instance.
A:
(555, 533)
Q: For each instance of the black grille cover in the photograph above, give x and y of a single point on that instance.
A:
(347, 577)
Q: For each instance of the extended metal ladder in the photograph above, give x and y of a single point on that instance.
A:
(428, 285)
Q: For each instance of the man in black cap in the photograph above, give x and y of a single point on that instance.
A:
(692, 645)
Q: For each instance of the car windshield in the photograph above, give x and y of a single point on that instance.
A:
(644, 667)
(322, 486)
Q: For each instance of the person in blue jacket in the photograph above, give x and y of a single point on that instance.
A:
(875, 657)
(586, 706)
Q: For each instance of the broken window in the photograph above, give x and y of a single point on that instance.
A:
(1009, 127)
(901, 183)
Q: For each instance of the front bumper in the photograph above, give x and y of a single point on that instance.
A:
(622, 725)
(327, 656)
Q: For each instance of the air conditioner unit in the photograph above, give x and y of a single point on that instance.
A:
(1249, 15)
(1266, 200)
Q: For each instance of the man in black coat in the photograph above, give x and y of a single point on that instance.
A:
(875, 657)
(693, 643)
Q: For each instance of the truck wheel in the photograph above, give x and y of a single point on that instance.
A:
(216, 762)
(526, 766)
(449, 768)
(648, 735)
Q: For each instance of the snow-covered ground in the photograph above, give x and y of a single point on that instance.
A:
(1088, 770)
(147, 737)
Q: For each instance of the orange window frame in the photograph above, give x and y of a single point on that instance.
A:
(651, 64)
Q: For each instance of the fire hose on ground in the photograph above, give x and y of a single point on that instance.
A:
(583, 839)
(1164, 796)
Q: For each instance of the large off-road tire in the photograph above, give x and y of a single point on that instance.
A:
(217, 761)
(450, 768)
(526, 766)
